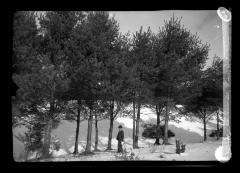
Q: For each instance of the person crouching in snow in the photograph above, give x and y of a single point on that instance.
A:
(120, 138)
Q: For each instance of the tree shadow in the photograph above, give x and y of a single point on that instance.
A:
(167, 152)
(185, 135)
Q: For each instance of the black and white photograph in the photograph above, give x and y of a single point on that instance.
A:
(121, 85)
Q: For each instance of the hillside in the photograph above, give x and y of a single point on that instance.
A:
(188, 131)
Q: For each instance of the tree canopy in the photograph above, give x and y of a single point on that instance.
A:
(75, 64)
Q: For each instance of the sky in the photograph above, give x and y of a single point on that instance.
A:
(205, 23)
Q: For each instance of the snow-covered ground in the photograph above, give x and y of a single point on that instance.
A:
(147, 151)
(188, 131)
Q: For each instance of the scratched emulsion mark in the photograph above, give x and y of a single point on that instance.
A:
(224, 153)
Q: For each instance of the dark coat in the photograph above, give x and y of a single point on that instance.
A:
(120, 136)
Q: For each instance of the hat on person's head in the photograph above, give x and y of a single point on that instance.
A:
(120, 126)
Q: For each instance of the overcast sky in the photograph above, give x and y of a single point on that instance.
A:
(206, 24)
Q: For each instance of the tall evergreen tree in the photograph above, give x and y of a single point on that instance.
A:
(24, 47)
(45, 78)
(180, 56)
(141, 58)
(77, 69)
(215, 73)
(25, 43)
(210, 94)
(202, 106)
(106, 48)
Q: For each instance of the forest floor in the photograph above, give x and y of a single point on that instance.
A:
(204, 151)
(189, 131)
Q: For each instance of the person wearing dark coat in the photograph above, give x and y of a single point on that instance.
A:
(120, 138)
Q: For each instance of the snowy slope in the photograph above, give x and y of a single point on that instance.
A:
(147, 151)
(188, 131)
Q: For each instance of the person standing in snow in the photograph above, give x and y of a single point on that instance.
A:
(120, 138)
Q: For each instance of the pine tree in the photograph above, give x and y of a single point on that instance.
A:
(25, 42)
(215, 87)
(179, 58)
(76, 66)
(105, 45)
(56, 28)
(42, 79)
(209, 99)
(141, 58)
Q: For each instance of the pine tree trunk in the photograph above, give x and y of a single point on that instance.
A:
(47, 139)
(110, 134)
(165, 141)
(204, 127)
(47, 134)
(137, 124)
(96, 133)
(111, 127)
(217, 125)
(77, 132)
(134, 145)
(27, 151)
(89, 134)
(158, 126)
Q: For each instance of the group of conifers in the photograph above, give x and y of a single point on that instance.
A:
(77, 66)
